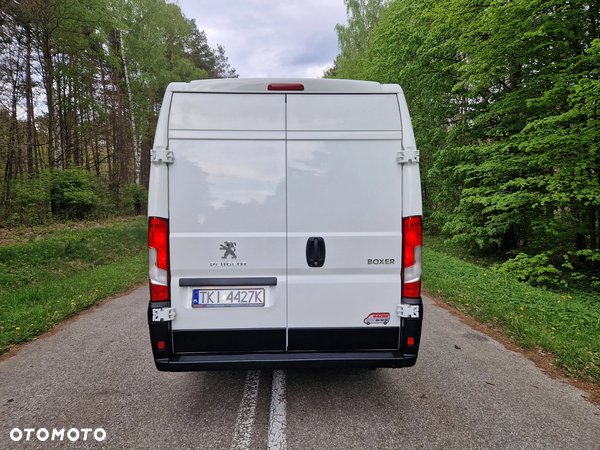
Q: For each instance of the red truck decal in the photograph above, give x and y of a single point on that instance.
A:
(383, 318)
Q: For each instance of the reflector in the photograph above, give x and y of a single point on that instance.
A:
(412, 290)
(158, 293)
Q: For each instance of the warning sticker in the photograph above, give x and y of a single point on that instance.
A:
(374, 318)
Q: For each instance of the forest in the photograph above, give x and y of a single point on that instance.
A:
(80, 89)
(504, 97)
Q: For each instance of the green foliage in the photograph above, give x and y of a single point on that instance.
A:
(31, 201)
(102, 67)
(406, 49)
(533, 269)
(565, 324)
(504, 99)
(72, 193)
(354, 38)
(48, 280)
(555, 268)
(135, 199)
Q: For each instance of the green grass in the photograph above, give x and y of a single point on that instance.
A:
(566, 324)
(463, 251)
(44, 282)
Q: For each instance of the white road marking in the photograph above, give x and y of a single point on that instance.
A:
(245, 419)
(277, 414)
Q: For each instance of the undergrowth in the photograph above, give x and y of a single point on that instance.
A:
(566, 323)
(44, 282)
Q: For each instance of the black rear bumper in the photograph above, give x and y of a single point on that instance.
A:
(182, 363)
(195, 350)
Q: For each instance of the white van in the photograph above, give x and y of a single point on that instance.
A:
(284, 226)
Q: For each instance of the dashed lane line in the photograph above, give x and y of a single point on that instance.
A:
(277, 414)
(276, 439)
(247, 412)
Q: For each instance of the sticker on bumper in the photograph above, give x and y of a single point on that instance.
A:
(375, 318)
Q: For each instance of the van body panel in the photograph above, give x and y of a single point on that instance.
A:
(158, 185)
(343, 339)
(260, 85)
(411, 193)
(331, 186)
(250, 112)
(230, 340)
(297, 198)
(234, 193)
(343, 112)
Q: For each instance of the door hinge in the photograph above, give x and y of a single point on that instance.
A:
(409, 311)
(163, 314)
(161, 155)
(408, 156)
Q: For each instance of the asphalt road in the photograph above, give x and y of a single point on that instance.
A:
(97, 373)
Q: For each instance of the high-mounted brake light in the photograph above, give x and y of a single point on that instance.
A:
(412, 256)
(158, 258)
(285, 87)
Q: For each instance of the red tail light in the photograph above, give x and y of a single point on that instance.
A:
(412, 256)
(158, 258)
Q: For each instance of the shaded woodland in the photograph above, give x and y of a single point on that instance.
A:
(81, 83)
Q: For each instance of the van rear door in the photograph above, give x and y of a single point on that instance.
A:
(227, 210)
(344, 193)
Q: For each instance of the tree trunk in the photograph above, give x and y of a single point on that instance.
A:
(29, 102)
(106, 124)
(48, 66)
(136, 151)
(96, 145)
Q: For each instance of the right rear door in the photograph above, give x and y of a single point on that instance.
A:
(344, 202)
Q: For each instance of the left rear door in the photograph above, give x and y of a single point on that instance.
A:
(227, 218)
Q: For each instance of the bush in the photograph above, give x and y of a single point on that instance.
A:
(30, 201)
(69, 194)
(72, 193)
(556, 269)
(134, 199)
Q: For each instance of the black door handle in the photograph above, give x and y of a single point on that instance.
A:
(315, 252)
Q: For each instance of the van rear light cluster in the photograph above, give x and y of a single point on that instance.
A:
(158, 258)
(412, 258)
(285, 87)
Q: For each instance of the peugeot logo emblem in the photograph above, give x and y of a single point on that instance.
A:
(229, 248)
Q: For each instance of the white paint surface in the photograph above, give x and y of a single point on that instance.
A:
(247, 412)
(278, 413)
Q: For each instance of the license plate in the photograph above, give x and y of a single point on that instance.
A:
(216, 298)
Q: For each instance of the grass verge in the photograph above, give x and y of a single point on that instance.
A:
(44, 282)
(565, 324)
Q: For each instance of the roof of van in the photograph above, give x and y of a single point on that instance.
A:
(262, 85)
